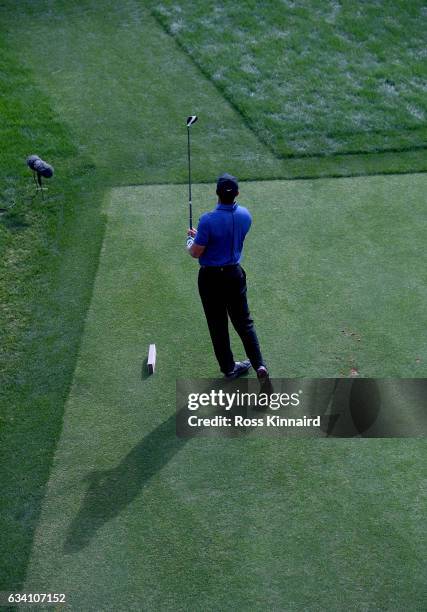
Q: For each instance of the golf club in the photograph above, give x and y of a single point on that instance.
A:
(192, 119)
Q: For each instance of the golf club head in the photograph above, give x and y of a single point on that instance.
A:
(192, 119)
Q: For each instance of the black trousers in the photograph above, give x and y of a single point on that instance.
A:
(223, 294)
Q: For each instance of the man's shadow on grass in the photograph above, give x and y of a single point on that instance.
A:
(110, 491)
(354, 406)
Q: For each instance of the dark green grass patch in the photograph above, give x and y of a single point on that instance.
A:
(313, 77)
(48, 259)
(133, 514)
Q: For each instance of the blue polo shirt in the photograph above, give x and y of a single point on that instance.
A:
(222, 231)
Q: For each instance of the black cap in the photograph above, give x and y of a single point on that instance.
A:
(227, 185)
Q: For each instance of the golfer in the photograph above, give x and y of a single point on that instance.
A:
(218, 244)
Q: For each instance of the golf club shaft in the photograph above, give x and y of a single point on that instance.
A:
(190, 206)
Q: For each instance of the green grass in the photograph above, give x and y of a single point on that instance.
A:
(112, 81)
(345, 267)
(111, 78)
(48, 260)
(133, 514)
(313, 77)
(102, 92)
(84, 123)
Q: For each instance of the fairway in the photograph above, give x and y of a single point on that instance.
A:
(136, 518)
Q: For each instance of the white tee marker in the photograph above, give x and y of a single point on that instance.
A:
(151, 361)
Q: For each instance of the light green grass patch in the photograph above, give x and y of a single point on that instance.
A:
(136, 518)
(336, 274)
